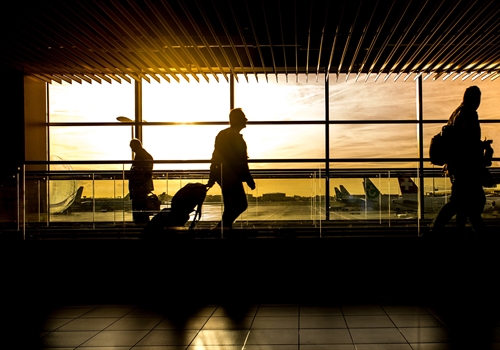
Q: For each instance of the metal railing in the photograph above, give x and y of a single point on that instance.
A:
(290, 197)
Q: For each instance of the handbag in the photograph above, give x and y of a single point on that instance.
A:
(152, 202)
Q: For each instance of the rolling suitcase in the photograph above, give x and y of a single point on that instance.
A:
(188, 199)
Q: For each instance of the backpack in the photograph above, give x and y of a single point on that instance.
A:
(442, 145)
(188, 199)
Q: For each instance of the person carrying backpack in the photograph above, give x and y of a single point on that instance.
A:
(229, 168)
(466, 167)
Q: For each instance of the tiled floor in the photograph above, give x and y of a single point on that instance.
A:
(298, 294)
(255, 327)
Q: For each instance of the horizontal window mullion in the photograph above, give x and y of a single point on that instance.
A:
(277, 122)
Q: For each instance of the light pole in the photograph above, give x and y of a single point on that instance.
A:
(127, 120)
(123, 119)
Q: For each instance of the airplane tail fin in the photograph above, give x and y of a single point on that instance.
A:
(338, 194)
(371, 191)
(407, 186)
(344, 191)
(78, 195)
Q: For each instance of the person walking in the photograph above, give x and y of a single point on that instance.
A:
(229, 168)
(140, 182)
(466, 168)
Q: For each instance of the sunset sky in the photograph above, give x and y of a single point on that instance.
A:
(262, 101)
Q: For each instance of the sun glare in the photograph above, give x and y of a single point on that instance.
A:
(272, 100)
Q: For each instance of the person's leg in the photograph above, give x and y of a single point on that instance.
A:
(461, 197)
(478, 201)
(444, 216)
(235, 203)
(139, 205)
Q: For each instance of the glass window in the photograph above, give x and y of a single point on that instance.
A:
(195, 142)
(373, 141)
(440, 98)
(279, 99)
(91, 143)
(371, 100)
(186, 101)
(90, 103)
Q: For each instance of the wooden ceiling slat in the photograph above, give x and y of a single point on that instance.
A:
(349, 37)
(415, 47)
(308, 50)
(97, 62)
(95, 54)
(216, 38)
(374, 40)
(178, 39)
(231, 42)
(256, 38)
(99, 44)
(412, 42)
(46, 50)
(165, 25)
(455, 53)
(46, 70)
(445, 41)
(71, 59)
(84, 77)
(74, 78)
(495, 77)
(55, 78)
(401, 39)
(489, 48)
(94, 78)
(334, 44)
(243, 40)
(469, 52)
(323, 28)
(153, 43)
(387, 40)
(43, 77)
(131, 41)
(201, 36)
(360, 42)
(103, 77)
(141, 69)
(296, 40)
(269, 38)
(282, 39)
(477, 75)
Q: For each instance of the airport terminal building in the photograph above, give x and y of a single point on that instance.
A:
(342, 100)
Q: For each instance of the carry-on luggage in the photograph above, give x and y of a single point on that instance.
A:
(188, 199)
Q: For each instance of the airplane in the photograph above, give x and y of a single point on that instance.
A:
(372, 199)
(407, 201)
(409, 197)
(378, 200)
(347, 199)
(64, 203)
(84, 204)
